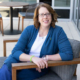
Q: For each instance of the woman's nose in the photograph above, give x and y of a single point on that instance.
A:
(45, 16)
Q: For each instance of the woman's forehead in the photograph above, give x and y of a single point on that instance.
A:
(43, 10)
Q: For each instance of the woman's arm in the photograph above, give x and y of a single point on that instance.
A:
(21, 44)
(65, 51)
(24, 57)
(40, 62)
(53, 57)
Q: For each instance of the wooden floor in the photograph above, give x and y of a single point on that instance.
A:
(70, 29)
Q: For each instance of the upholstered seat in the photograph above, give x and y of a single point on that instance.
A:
(22, 14)
(53, 76)
(2, 59)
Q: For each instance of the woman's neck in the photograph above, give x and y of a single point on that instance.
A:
(43, 31)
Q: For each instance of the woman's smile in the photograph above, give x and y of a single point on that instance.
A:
(46, 21)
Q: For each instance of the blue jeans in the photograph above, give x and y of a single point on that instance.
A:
(5, 74)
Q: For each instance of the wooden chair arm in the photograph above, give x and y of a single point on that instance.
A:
(27, 65)
(7, 41)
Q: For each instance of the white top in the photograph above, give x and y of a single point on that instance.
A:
(36, 47)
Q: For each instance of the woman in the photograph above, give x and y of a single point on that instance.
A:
(44, 38)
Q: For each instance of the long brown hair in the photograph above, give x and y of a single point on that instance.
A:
(50, 9)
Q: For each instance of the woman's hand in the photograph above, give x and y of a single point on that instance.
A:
(40, 62)
(38, 69)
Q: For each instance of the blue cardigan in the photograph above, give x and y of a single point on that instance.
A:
(56, 42)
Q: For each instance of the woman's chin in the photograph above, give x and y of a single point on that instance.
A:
(46, 26)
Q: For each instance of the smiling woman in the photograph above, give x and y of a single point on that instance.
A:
(42, 38)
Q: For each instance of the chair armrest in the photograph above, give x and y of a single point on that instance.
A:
(27, 65)
(7, 40)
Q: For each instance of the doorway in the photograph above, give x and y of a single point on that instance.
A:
(47, 1)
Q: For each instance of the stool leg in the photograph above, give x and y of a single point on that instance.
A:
(2, 27)
(22, 23)
(18, 23)
(75, 73)
(4, 48)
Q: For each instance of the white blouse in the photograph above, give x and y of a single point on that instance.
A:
(37, 45)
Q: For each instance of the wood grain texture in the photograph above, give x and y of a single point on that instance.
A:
(28, 65)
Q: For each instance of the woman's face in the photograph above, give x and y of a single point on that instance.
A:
(44, 17)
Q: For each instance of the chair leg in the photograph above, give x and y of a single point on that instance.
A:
(75, 73)
(22, 23)
(4, 48)
(2, 28)
(14, 74)
(0, 25)
(18, 23)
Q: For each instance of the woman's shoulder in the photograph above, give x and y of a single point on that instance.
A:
(58, 27)
(57, 30)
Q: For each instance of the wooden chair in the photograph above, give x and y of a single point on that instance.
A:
(29, 13)
(18, 66)
(1, 24)
(8, 40)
